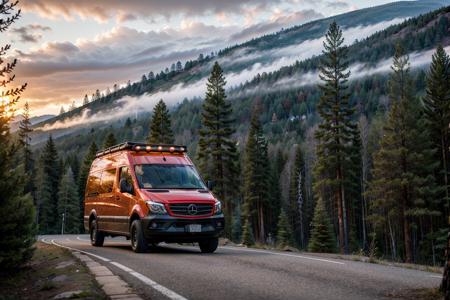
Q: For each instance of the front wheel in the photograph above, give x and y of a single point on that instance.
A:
(209, 246)
(139, 243)
(97, 237)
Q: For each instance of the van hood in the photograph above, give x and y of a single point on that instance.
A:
(168, 196)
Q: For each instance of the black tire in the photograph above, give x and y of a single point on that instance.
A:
(139, 243)
(209, 246)
(97, 237)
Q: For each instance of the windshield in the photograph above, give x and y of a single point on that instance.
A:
(162, 176)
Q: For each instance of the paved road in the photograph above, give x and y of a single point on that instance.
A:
(177, 272)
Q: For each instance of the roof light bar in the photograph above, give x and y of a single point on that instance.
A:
(142, 147)
(160, 148)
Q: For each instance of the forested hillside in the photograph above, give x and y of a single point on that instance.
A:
(284, 189)
(270, 51)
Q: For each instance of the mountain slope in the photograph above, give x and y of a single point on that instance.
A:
(240, 62)
(288, 111)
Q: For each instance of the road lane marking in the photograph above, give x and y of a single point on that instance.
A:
(162, 289)
(435, 276)
(120, 266)
(284, 254)
(88, 253)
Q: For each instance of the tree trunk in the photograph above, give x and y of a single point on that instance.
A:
(300, 207)
(393, 243)
(444, 164)
(406, 233)
(445, 285)
(338, 198)
(261, 223)
(344, 217)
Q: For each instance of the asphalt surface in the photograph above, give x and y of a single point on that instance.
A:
(177, 272)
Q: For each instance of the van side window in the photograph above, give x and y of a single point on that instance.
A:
(93, 185)
(108, 177)
(125, 175)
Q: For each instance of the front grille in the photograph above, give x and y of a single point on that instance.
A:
(191, 209)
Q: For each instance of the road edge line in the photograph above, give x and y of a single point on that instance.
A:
(283, 254)
(162, 289)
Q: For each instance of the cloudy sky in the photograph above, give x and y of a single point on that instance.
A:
(70, 48)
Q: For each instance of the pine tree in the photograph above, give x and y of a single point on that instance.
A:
(247, 232)
(62, 111)
(47, 193)
(354, 184)
(437, 113)
(297, 219)
(275, 191)
(284, 234)
(322, 235)
(160, 126)
(27, 156)
(109, 141)
(236, 230)
(97, 95)
(83, 175)
(216, 150)
(85, 100)
(335, 131)
(16, 208)
(68, 204)
(256, 174)
(403, 184)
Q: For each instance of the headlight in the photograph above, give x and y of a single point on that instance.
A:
(218, 207)
(156, 208)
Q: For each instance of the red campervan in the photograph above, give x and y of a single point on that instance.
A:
(150, 194)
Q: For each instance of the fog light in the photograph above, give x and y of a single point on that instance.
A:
(219, 224)
(153, 225)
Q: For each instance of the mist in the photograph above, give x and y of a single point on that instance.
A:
(278, 58)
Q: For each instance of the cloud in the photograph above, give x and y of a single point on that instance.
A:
(358, 70)
(103, 10)
(338, 5)
(133, 105)
(282, 57)
(30, 33)
(60, 72)
(277, 21)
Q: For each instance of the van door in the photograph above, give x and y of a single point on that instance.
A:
(92, 196)
(110, 209)
(124, 197)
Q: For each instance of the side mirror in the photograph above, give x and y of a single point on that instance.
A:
(125, 187)
(210, 184)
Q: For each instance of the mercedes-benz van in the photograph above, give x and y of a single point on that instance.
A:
(150, 194)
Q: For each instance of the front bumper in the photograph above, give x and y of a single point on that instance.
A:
(165, 228)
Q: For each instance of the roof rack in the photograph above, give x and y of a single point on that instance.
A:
(142, 147)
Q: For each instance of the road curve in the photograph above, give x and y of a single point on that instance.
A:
(182, 272)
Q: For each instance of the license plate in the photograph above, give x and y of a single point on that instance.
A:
(194, 228)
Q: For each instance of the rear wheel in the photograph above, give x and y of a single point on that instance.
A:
(139, 243)
(97, 237)
(209, 246)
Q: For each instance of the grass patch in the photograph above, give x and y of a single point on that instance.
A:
(46, 276)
